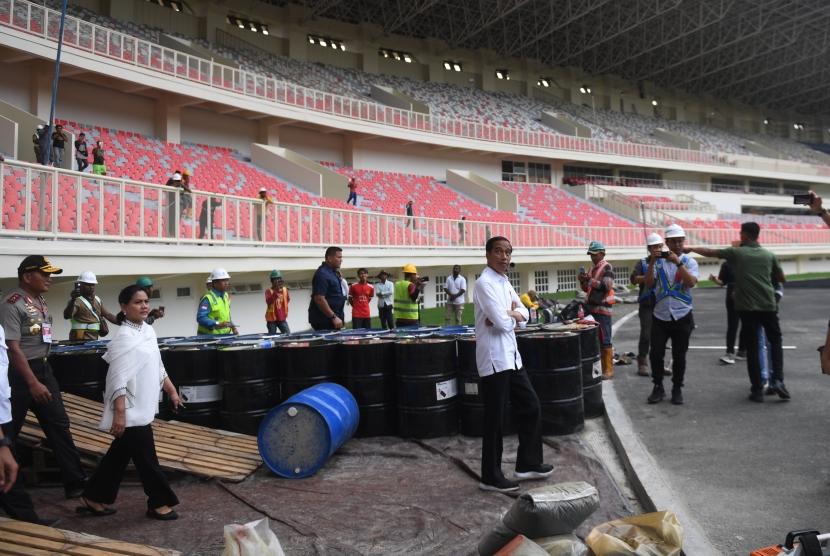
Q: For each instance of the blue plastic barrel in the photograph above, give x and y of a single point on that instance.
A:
(298, 436)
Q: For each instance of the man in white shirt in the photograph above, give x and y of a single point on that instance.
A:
(385, 292)
(14, 500)
(455, 288)
(497, 312)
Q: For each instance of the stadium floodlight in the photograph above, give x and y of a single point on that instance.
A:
(252, 26)
(585, 90)
(503, 74)
(407, 58)
(323, 42)
(311, 39)
(397, 55)
(654, 102)
(342, 47)
(447, 66)
(264, 30)
(766, 121)
(240, 23)
(544, 82)
(456, 66)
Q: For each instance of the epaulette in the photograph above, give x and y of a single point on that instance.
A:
(13, 298)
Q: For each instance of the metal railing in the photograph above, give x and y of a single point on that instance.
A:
(50, 203)
(43, 22)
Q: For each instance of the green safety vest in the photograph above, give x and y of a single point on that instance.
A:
(96, 326)
(220, 311)
(405, 308)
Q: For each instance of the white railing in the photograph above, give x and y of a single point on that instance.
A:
(44, 22)
(49, 203)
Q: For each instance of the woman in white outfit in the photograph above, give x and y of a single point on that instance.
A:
(135, 376)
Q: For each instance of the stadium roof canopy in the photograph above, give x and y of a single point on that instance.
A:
(770, 53)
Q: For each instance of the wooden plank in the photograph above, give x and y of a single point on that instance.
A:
(19, 537)
(180, 446)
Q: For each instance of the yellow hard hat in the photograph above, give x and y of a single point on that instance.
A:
(410, 269)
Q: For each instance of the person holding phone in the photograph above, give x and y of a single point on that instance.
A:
(134, 378)
(816, 208)
(407, 292)
(146, 283)
(85, 311)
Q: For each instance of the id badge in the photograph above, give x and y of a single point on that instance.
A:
(46, 330)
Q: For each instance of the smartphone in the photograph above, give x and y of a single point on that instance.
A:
(582, 270)
(425, 279)
(802, 199)
(664, 254)
(161, 307)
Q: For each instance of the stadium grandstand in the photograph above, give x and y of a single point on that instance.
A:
(552, 123)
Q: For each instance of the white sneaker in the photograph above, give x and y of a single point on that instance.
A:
(728, 359)
(740, 356)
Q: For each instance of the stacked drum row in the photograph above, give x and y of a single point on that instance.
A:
(413, 386)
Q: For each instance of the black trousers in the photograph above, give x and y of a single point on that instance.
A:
(732, 322)
(135, 444)
(645, 314)
(679, 332)
(385, 314)
(750, 321)
(358, 322)
(52, 418)
(17, 503)
(495, 390)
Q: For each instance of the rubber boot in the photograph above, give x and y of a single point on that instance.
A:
(607, 363)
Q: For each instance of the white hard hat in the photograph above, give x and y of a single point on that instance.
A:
(262, 190)
(208, 280)
(219, 274)
(87, 277)
(654, 239)
(177, 177)
(674, 231)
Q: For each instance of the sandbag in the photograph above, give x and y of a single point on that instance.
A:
(252, 539)
(653, 534)
(521, 546)
(493, 541)
(552, 510)
(563, 545)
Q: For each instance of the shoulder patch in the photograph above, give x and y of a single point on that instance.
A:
(14, 298)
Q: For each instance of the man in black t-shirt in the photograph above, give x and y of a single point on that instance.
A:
(726, 277)
(81, 152)
(59, 140)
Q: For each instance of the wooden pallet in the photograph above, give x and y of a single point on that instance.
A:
(19, 537)
(201, 451)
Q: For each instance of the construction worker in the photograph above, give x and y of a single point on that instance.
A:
(598, 284)
(654, 245)
(214, 314)
(407, 292)
(146, 283)
(276, 303)
(87, 315)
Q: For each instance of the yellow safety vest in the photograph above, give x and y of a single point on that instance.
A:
(220, 311)
(405, 308)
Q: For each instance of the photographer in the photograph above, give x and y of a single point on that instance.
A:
(816, 208)
(407, 292)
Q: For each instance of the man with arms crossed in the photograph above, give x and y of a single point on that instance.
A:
(497, 312)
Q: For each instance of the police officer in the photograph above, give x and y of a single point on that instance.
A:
(28, 325)
(214, 315)
(85, 311)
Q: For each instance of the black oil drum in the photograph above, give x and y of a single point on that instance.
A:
(369, 374)
(303, 363)
(250, 387)
(591, 372)
(554, 366)
(427, 387)
(80, 370)
(472, 400)
(193, 368)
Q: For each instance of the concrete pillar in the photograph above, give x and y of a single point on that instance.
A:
(215, 18)
(349, 143)
(168, 120)
(40, 88)
(268, 132)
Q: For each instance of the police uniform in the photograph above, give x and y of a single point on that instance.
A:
(26, 319)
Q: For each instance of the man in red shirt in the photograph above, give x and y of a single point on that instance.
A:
(359, 296)
(352, 185)
(276, 301)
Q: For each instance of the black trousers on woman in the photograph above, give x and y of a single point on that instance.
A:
(135, 444)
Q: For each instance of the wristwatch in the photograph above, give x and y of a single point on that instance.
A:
(5, 441)
(679, 264)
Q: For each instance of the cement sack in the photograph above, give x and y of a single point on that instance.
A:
(653, 534)
(563, 545)
(552, 510)
(521, 546)
(493, 541)
(252, 539)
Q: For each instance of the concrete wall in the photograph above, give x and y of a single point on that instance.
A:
(299, 170)
(397, 99)
(676, 140)
(312, 144)
(26, 124)
(422, 160)
(484, 191)
(89, 104)
(9, 138)
(210, 128)
(565, 125)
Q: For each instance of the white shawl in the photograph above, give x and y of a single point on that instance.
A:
(136, 372)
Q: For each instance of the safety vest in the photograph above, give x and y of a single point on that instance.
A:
(220, 311)
(676, 290)
(608, 301)
(646, 293)
(282, 301)
(405, 308)
(96, 326)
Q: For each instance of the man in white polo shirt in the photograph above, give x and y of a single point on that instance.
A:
(455, 288)
(497, 312)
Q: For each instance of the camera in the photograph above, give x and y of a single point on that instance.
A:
(802, 199)
(424, 278)
(665, 254)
